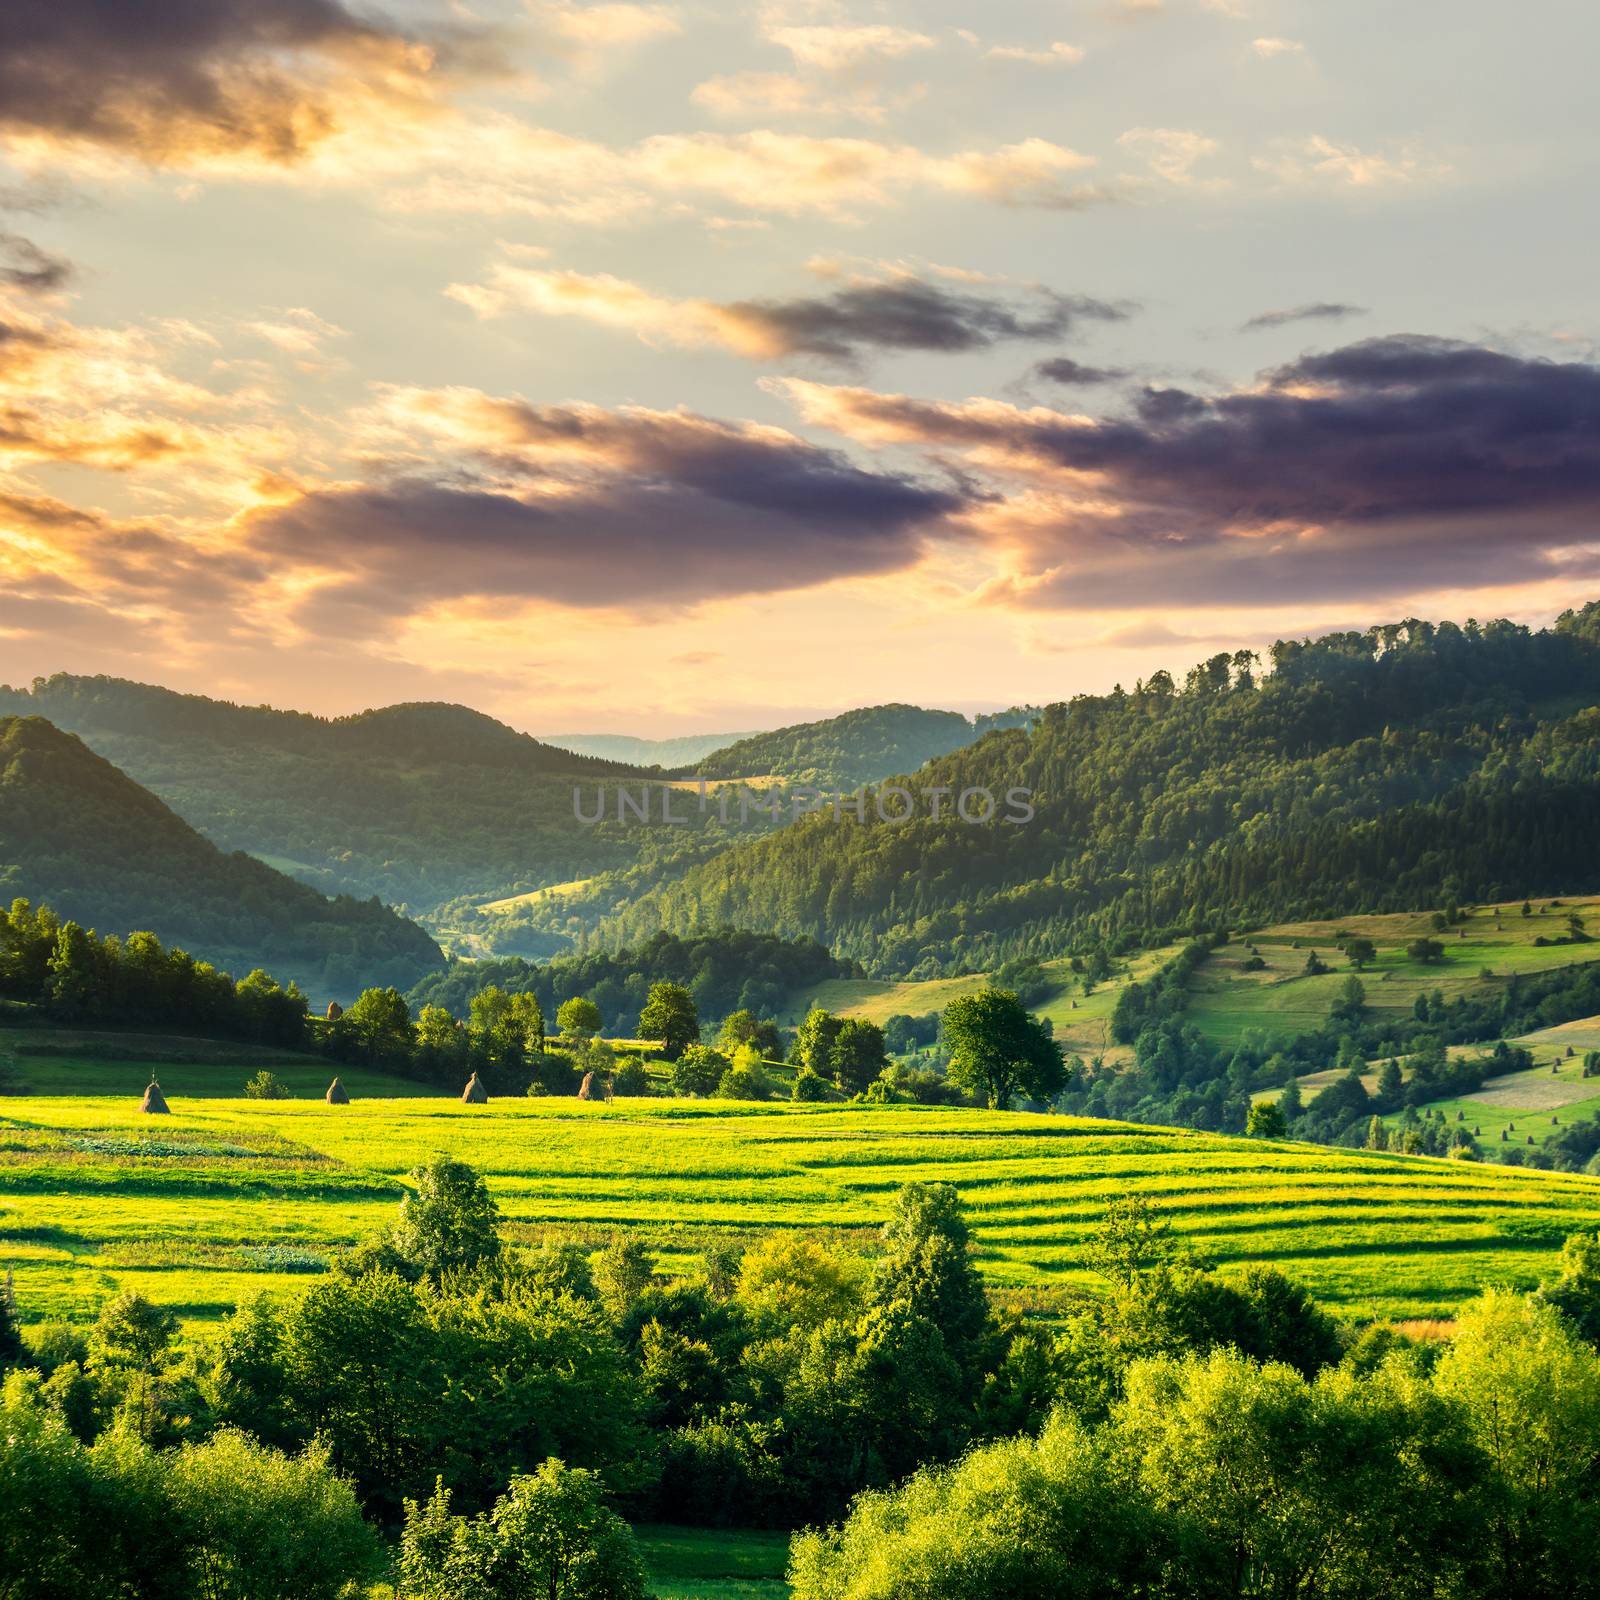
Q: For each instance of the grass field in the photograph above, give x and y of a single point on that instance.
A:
(714, 1564)
(229, 1196)
(1226, 1001)
(1082, 1022)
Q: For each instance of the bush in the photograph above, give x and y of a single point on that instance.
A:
(810, 1086)
(264, 1086)
(632, 1078)
(698, 1070)
(554, 1072)
(744, 1081)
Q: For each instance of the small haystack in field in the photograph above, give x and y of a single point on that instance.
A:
(586, 1088)
(474, 1094)
(155, 1103)
(335, 1011)
(336, 1095)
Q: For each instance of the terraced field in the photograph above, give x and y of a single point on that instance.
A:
(225, 1197)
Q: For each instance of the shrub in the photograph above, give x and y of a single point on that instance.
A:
(809, 1085)
(264, 1086)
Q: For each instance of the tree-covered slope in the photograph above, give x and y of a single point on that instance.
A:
(84, 837)
(1384, 770)
(418, 804)
(675, 752)
(857, 747)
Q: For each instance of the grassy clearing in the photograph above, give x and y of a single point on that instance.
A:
(1226, 1000)
(50, 1061)
(84, 1209)
(714, 1564)
(516, 902)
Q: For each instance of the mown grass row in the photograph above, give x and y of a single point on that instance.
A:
(226, 1197)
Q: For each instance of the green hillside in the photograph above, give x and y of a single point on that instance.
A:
(79, 834)
(417, 804)
(857, 747)
(1406, 766)
(682, 751)
(225, 1197)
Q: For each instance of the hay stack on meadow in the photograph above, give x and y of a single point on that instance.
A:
(336, 1095)
(154, 1103)
(474, 1094)
(586, 1088)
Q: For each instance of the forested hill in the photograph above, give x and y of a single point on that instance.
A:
(78, 834)
(857, 747)
(417, 804)
(675, 752)
(1396, 768)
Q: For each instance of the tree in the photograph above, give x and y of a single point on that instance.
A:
(549, 1536)
(266, 1086)
(449, 1219)
(505, 1029)
(129, 1347)
(669, 1016)
(265, 1526)
(622, 1272)
(1265, 1121)
(698, 1070)
(813, 1040)
(1575, 1291)
(744, 1027)
(578, 1018)
(381, 1020)
(857, 1056)
(1425, 950)
(12, 1348)
(999, 1051)
(789, 1281)
(1360, 952)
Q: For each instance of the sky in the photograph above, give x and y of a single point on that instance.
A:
(667, 368)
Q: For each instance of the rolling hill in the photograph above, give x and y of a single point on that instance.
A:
(857, 747)
(77, 833)
(626, 747)
(1406, 766)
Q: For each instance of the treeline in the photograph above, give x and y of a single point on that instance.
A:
(1182, 1432)
(724, 971)
(82, 836)
(1410, 764)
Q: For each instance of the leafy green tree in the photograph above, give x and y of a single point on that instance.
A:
(130, 1347)
(1426, 950)
(1265, 1121)
(1530, 1389)
(579, 1018)
(669, 1016)
(505, 1029)
(1575, 1290)
(857, 1056)
(744, 1027)
(999, 1051)
(1030, 1519)
(12, 1349)
(266, 1086)
(265, 1526)
(1130, 1238)
(697, 1070)
(744, 1079)
(550, 1535)
(791, 1281)
(810, 1086)
(380, 1020)
(448, 1220)
(814, 1039)
(1360, 952)
(622, 1272)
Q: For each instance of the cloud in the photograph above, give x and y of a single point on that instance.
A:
(838, 49)
(600, 28)
(1056, 54)
(1316, 311)
(1267, 49)
(1390, 466)
(756, 96)
(1318, 159)
(1171, 153)
(1063, 369)
(898, 312)
(23, 265)
(589, 507)
(176, 81)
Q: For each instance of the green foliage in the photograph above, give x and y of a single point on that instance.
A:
(999, 1051)
(265, 1086)
(1266, 1121)
(670, 1018)
(1360, 952)
(549, 1536)
(448, 1220)
(79, 834)
(810, 1086)
(698, 1070)
(578, 1018)
(1575, 1291)
(744, 1079)
(814, 1040)
(745, 1027)
(857, 1055)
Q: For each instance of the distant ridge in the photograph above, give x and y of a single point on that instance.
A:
(682, 751)
(84, 838)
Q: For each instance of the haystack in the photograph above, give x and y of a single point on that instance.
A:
(586, 1088)
(154, 1102)
(336, 1095)
(474, 1094)
(335, 1011)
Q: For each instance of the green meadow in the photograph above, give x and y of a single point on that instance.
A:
(226, 1197)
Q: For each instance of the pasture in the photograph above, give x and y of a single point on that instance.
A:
(1487, 948)
(226, 1197)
